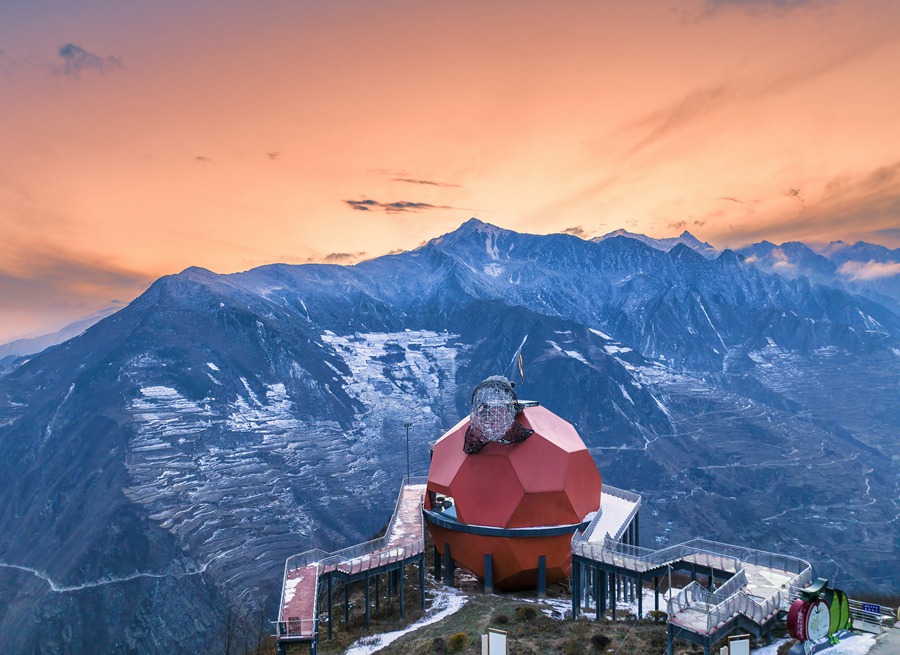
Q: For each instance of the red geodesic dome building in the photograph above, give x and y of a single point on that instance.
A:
(513, 501)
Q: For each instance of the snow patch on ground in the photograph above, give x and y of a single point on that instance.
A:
(493, 270)
(444, 603)
(853, 645)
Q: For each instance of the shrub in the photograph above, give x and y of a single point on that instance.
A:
(599, 641)
(458, 642)
(439, 646)
(525, 613)
(502, 619)
(657, 616)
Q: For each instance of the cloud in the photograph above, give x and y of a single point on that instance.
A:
(860, 206)
(48, 289)
(396, 207)
(754, 7)
(782, 263)
(76, 59)
(691, 107)
(870, 270)
(343, 257)
(410, 180)
(892, 233)
(679, 225)
(713, 5)
(203, 159)
(577, 231)
(273, 154)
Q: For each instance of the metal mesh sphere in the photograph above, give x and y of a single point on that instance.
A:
(493, 408)
(493, 415)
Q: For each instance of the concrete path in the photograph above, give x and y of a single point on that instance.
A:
(888, 643)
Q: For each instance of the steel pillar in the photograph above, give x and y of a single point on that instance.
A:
(367, 601)
(330, 611)
(542, 577)
(488, 573)
(422, 579)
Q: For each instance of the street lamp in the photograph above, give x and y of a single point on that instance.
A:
(407, 425)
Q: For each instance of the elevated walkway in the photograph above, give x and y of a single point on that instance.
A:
(755, 588)
(403, 543)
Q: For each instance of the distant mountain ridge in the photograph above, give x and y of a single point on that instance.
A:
(31, 345)
(666, 244)
(868, 269)
(161, 466)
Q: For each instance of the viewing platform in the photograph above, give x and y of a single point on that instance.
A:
(755, 586)
(403, 543)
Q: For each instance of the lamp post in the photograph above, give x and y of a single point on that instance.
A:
(407, 425)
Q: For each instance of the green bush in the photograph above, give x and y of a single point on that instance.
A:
(458, 642)
(525, 613)
(502, 619)
(439, 646)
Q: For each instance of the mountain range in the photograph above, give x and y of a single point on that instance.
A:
(157, 470)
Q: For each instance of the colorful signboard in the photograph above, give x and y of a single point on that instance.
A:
(818, 614)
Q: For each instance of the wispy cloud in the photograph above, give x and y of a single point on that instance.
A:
(757, 5)
(410, 180)
(870, 270)
(678, 115)
(343, 257)
(202, 159)
(577, 231)
(76, 59)
(396, 207)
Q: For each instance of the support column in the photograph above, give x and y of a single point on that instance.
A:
(346, 602)
(604, 589)
(639, 586)
(422, 579)
(637, 530)
(669, 639)
(656, 593)
(367, 601)
(488, 573)
(437, 564)
(576, 588)
(693, 573)
(612, 596)
(542, 577)
(330, 611)
(597, 590)
(402, 586)
(449, 567)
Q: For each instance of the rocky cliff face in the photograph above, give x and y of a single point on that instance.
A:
(159, 468)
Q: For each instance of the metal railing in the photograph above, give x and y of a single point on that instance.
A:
(317, 555)
(296, 628)
(719, 606)
(360, 557)
(624, 494)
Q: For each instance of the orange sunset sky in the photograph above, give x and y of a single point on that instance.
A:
(140, 138)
